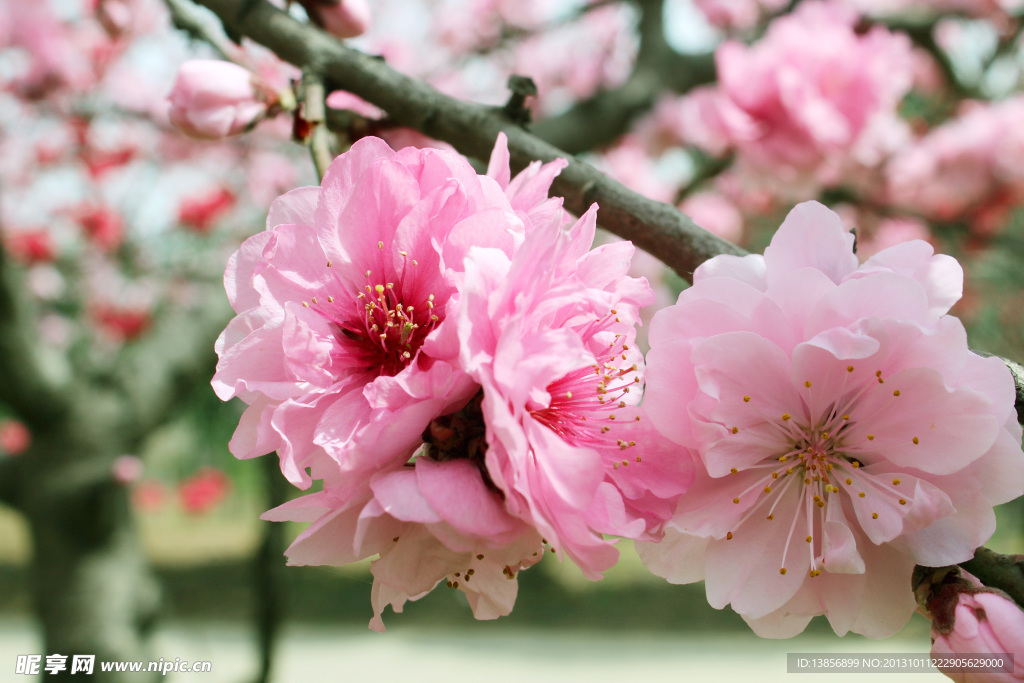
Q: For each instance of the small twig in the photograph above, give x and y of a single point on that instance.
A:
(187, 17)
(314, 112)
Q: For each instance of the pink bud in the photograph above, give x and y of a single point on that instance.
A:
(214, 99)
(344, 19)
(968, 618)
(14, 437)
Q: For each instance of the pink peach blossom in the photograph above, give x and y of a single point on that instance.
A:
(339, 345)
(845, 430)
(549, 336)
(213, 99)
(432, 521)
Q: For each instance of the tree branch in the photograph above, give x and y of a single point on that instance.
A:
(655, 227)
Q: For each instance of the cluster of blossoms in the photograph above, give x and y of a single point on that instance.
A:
(448, 355)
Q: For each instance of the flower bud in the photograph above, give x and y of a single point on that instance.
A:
(344, 19)
(213, 99)
(971, 619)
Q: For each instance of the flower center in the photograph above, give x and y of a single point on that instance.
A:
(588, 403)
(826, 457)
(462, 434)
(379, 328)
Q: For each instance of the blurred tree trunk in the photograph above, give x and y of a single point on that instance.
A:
(93, 591)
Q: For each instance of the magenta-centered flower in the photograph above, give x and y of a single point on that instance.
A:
(338, 346)
(549, 336)
(846, 433)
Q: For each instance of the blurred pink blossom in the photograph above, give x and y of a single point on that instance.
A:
(14, 437)
(127, 469)
(102, 225)
(845, 430)
(201, 212)
(203, 491)
(810, 98)
(968, 168)
(714, 213)
(30, 246)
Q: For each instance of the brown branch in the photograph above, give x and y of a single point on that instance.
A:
(470, 128)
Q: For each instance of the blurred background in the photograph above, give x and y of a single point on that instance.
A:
(126, 527)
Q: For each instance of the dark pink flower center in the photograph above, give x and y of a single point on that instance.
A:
(584, 402)
(380, 328)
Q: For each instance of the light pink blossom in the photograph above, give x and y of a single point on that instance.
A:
(437, 520)
(846, 433)
(213, 99)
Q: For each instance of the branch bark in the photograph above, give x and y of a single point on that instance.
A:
(470, 128)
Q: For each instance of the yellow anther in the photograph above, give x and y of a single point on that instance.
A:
(735, 430)
(746, 399)
(902, 502)
(871, 437)
(916, 440)
(736, 501)
(861, 494)
(782, 571)
(849, 368)
(895, 482)
(728, 536)
(896, 393)
(807, 384)
(874, 515)
(786, 417)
